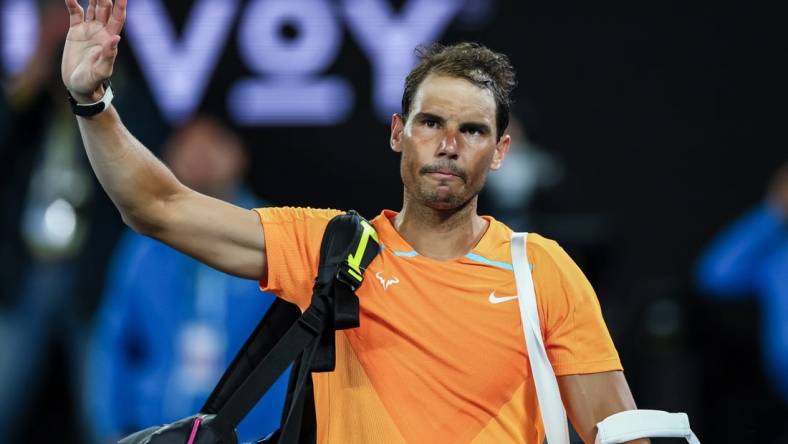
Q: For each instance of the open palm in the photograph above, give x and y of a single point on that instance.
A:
(91, 45)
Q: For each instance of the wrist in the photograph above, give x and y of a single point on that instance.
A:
(89, 105)
(93, 97)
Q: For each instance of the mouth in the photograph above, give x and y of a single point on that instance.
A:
(443, 173)
(439, 175)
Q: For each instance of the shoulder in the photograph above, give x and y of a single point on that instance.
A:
(543, 249)
(539, 248)
(496, 244)
(549, 260)
(292, 214)
(292, 243)
(554, 270)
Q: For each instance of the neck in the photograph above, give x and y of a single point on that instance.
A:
(440, 234)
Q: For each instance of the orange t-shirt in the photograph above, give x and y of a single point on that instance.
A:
(440, 355)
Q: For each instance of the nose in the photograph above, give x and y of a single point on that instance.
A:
(449, 145)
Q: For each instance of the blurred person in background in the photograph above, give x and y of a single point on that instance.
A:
(169, 325)
(528, 169)
(46, 195)
(40, 163)
(51, 213)
(748, 259)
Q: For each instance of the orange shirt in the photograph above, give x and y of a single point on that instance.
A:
(439, 356)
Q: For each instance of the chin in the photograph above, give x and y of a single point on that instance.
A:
(438, 199)
(442, 206)
(443, 201)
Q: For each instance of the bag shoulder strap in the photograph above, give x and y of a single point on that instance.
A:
(349, 244)
(547, 392)
(621, 427)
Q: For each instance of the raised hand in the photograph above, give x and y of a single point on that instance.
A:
(91, 46)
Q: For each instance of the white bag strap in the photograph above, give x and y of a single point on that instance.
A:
(553, 413)
(621, 427)
(635, 424)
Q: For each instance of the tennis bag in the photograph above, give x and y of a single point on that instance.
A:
(282, 337)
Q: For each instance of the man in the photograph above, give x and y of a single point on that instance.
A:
(750, 258)
(439, 354)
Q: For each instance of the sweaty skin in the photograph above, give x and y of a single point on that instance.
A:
(448, 144)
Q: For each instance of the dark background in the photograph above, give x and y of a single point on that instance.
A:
(667, 119)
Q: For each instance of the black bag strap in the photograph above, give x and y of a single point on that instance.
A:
(349, 244)
(279, 318)
(295, 427)
(339, 283)
(296, 339)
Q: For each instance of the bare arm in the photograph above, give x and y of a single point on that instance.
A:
(589, 399)
(149, 197)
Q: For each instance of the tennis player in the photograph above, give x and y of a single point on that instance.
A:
(439, 355)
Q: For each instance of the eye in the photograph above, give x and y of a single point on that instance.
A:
(431, 123)
(473, 130)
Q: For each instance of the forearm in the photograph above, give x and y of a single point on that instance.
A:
(138, 183)
(591, 398)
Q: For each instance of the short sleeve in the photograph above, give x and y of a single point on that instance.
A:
(292, 243)
(576, 337)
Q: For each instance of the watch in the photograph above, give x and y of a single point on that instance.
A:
(91, 109)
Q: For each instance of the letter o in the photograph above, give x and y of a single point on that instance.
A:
(267, 51)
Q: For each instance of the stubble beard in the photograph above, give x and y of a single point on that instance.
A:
(427, 193)
(430, 195)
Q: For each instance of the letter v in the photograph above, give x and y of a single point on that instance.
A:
(389, 39)
(178, 71)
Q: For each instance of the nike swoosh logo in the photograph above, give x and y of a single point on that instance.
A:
(497, 300)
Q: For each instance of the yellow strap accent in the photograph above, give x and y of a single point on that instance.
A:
(354, 260)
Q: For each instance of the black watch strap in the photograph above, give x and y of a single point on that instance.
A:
(91, 109)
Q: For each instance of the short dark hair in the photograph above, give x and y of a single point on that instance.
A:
(471, 61)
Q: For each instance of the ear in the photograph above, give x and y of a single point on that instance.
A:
(397, 127)
(500, 152)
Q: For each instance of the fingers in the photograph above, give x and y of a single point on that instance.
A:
(110, 48)
(103, 10)
(106, 58)
(75, 13)
(118, 17)
(91, 11)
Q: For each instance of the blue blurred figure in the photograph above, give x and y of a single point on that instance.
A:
(750, 257)
(169, 325)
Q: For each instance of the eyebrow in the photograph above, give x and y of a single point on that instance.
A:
(481, 126)
(429, 116)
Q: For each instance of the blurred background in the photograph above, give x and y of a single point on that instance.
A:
(648, 141)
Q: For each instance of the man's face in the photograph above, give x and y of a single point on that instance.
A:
(448, 142)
